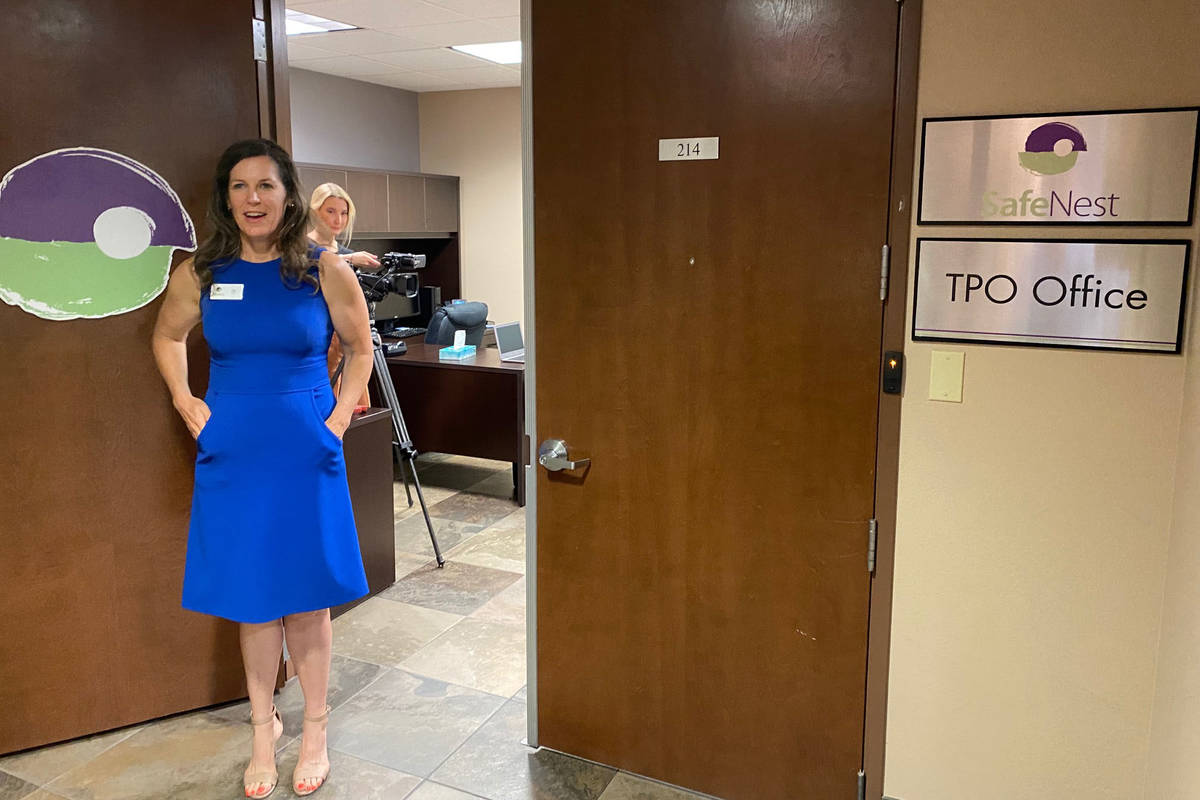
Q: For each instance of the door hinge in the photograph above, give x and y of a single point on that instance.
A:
(258, 33)
(872, 536)
(885, 268)
(862, 785)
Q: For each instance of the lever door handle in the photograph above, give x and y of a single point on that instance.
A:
(552, 454)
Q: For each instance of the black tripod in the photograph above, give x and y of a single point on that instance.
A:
(402, 443)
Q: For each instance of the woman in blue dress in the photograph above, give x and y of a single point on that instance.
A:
(272, 543)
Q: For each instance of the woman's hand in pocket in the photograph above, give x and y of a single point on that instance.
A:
(195, 413)
(337, 426)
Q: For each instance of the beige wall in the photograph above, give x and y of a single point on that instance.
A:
(1175, 738)
(1034, 518)
(477, 135)
(1175, 735)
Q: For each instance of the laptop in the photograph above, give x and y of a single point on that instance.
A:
(509, 342)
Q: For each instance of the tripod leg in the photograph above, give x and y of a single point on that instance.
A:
(437, 551)
(403, 475)
(401, 439)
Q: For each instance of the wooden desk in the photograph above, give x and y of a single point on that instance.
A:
(368, 452)
(468, 408)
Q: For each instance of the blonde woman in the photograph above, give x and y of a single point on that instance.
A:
(333, 225)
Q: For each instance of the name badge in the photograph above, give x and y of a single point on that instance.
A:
(225, 291)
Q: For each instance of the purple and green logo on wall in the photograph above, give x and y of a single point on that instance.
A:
(1052, 148)
(87, 233)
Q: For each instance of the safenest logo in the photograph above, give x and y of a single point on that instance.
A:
(1052, 149)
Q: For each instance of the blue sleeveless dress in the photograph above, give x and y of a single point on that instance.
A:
(272, 530)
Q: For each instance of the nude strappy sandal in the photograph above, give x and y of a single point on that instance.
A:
(269, 778)
(315, 775)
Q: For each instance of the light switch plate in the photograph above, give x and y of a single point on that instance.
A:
(946, 376)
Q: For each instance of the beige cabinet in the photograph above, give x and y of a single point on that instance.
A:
(370, 193)
(313, 176)
(392, 203)
(406, 203)
(441, 204)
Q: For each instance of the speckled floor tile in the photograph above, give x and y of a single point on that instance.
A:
(44, 764)
(472, 461)
(192, 757)
(495, 547)
(387, 632)
(456, 588)
(458, 476)
(13, 788)
(507, 608)
(409, 723)
(476, 509)
(436, 791)
(493, 763)
(630, 787)
(498, 485)
(407, 563)
(523, 695)
(433, 496)
(481, 655)
(412, 536)
(516, 519)
(43, 794)
(346, 677)
(350, 778)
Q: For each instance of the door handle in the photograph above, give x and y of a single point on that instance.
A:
(552, 454)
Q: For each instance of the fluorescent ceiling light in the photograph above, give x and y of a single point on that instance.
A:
(298, 23)
(499, 52)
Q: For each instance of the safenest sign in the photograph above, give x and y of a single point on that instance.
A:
(1082, 168)
(1110, 295)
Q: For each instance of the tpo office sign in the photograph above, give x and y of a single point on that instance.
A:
(1090, 168)
(1111, 295)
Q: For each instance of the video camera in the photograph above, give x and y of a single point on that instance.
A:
(387, 280)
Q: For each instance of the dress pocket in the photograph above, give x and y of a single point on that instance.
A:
(322, 406)
(202, 440)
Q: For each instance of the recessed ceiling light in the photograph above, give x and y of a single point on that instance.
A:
(499, 52)
(298, 24)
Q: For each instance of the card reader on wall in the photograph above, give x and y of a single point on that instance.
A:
(893, 372)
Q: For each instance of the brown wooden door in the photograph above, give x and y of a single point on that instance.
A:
(708, 332)
(96, 467)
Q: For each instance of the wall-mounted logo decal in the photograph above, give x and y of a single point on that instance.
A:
(1080, 168)
(87, 233)
(1052, 149)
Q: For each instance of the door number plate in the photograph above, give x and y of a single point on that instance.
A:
(696, 148)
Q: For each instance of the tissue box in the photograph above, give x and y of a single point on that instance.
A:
(457, 353)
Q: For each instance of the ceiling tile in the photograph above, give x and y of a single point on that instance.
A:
(414, 81)
(482, 9)
(432, 58)
(383, 14)
(468, 32)
(299, 51)
(509, 26)
(480, 74)
(350, 66)
(357, 43)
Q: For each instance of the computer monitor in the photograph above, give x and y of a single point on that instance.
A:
(397, 310)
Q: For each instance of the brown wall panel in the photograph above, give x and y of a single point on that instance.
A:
(98, 468)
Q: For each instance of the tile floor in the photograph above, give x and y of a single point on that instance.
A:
(427, 687)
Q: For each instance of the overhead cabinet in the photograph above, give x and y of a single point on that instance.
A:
(392, 203)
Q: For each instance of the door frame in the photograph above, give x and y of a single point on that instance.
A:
(887, 454)
(887, 448)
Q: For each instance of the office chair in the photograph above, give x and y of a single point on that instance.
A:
(471, 317)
